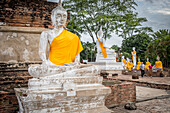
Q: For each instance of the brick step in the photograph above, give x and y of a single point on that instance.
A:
(12, 78)
(13, 69)
(14, 81)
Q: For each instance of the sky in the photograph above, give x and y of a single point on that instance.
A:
(157, 13)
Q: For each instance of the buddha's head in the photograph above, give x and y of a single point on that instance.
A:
(100, 33)
(127, 59)
(158, 58)
(139, 59)
(133, 48)
(123, 57)
(59, 16)
(147, 59)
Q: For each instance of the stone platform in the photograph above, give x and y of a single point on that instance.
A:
(78, 92)
(154, 82)
(109, 67)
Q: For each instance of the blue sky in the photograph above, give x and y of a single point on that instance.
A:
(157, 13)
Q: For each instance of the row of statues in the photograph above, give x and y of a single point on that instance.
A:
(127, 64)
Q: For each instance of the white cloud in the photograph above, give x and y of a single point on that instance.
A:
(164, 11)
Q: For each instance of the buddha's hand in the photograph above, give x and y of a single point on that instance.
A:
(45, 64)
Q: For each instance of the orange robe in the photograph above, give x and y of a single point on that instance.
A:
(103, 49)
(64, 48)
(130, 66)
(159, 64)
(135, 55)
(127, 64)
(138, 66)
(147, 65)
(124, 61)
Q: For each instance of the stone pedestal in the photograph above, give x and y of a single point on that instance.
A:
(108, 64)
(78, 92)
(111, 57)
(109, 67)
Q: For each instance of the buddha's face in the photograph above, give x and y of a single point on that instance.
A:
(158, 58)
(133, 48)
(60, 18)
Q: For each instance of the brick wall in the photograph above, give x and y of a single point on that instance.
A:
(26, 13)
(121, 94)
(11, 76)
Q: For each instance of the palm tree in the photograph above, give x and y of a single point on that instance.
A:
(160, 45)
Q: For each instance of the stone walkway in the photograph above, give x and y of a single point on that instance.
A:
(154, 82)
(152, 106)
(145, 93)
(150, 100)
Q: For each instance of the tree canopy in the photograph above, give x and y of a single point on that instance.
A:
(114, 15)
(140, 42)
(160, 45)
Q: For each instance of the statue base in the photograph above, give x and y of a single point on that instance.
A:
(109, 67)
(81, 93)
(111, 57)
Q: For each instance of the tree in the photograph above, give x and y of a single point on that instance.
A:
(131, 25)
(88, 15)
(88, 52)
(160, 45)
(139, 41)
(115, 47)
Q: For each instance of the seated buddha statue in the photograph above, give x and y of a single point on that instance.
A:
(138, 65)
(123, 62)
(127, 63)
(147, 64)
(158, 64)
(130, 66)
(57, 47)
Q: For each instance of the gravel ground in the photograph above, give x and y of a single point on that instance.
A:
(150, 101)
(151, 106)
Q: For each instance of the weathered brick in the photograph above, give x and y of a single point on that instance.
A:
(121, 94)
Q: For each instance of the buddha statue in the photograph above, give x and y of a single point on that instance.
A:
(57, 47)
(138, 65)
(123, 62)
(60, 83)
(147, 64)
(158, 64)
(103, 52)
(134, 57)
(130, 66)
(127, 63)
(114, 56)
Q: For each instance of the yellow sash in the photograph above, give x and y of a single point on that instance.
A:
(130, 66)
(135, 55)
(64, 48)
(127, 64)
(124, 61)
(138, 66)
(103, 49)
(159, 64)
(147, 65)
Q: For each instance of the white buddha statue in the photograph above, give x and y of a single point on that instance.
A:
(58, 47)
(60, 83)
(134, 57)
(123, 62)
(103, 52)
(158, 64)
